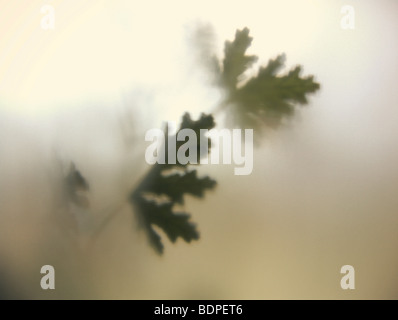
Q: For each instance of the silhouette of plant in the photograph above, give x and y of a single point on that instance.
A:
(153, 211)
(263, 100)
(259, 102)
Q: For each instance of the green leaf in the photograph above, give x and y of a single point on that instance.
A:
(204, 122)
(174, 225)
(236, 62)
(160, 183)
(75, 185)
(176, 185)
(267, 98)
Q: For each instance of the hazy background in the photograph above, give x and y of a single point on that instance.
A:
(323, 192)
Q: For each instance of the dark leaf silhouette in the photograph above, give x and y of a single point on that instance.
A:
(162, 215)
(75, 187)
(265, 99)
(159, 182)
(236, 62)
(71, 190)
(183, 183)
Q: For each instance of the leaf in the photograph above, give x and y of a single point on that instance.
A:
(173, 224)
(75, 186)
(172, 186)
(203, 40)
(182, 183)
(267, 98)
(204, 122)
(236, 62)
(71, 191)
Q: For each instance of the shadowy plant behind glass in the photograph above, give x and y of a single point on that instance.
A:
(258, 102)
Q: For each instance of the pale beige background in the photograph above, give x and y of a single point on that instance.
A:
(323, 192)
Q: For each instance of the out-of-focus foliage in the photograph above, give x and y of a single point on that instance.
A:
(162, 188)
(71, 195)
(265, 99)
(75, 187)
(256, 102)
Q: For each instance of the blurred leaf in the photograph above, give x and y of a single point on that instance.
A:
(72, 190)
(159, 182)
(173, 224)
(204, 41)
(236, 62)
(182, 183)
(265, 99)
(75, 187)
